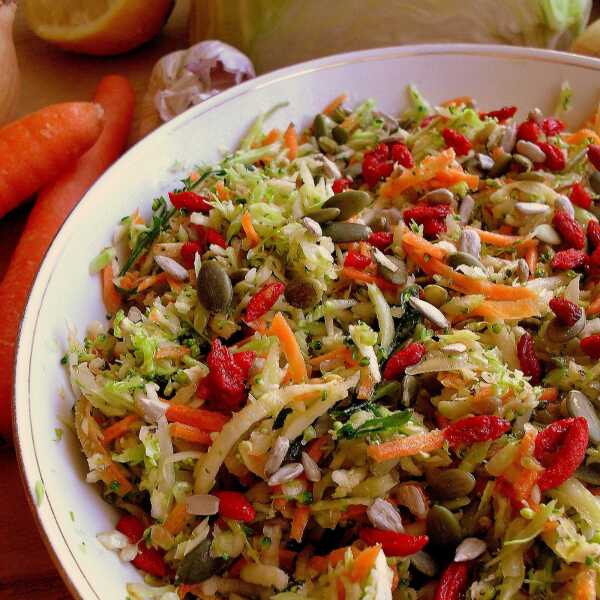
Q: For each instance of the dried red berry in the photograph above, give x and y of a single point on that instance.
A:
(552, 126)
(382, 152)
(150, 561)
(131, 527)
(234, 505)
(424, 212)
(555, 158)
(457, 141)
(384, 169)
(594, 258)
(370, 167)
(529, 131)
(475, 429)
(189, 201)
(569, 229)
(453, 582)
(565, 260)
(381, 239)
(593, 233)
(530, 365)
(501, 114)
(401, 154)
(590, 345)
(188, 253)
(580, 197)
(339, 185)
(399, 361)
(263, 300)
(433, 227)
(593, 154)
(567, 312)
(357, 260)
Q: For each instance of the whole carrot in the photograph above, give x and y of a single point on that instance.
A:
(36, 149)
(115, 95)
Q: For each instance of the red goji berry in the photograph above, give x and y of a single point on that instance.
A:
(214, 237)
(433, 227)
(189, 201)
(555, 158)
(590, 345)
(594, 258)
(263, 300)
(552, 126)
(453, 582)
(529, 131)
(565, 260)
(528, 361)
(424, 212)
(234, 505)
(357, 260)
(382, 152)
(188, 253)
(244, 360)
(427, 120)
(593, 154)
(567, 312)
(370, 169)
(401, 154)
(457, 141)
(381, 239)
(392, 542)
(384, 169)
(569, 229)
(501, 114)
(131, 527)
(150, 561)
(560, 448)
(593, 233)
(402, 359)
(341, 184)
(580, 197)
(469, 430)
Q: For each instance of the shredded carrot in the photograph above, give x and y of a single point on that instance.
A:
(271, 137)
(316, 447)
(593, 307)
(114, 474)
(497, 239)
(196, 417)
(362, 277)
(110, 295)
(506, 229)
(421, 245)
(175, 352)
(585, 585)
(118, 429)
(366, 384)
(191, 434)
(151, 280)
(350, 122)
(448, 177)
(287, 377)
(248, 227)
(353, 512)
(290, 141)
(129, 281)
(492, 310)
(524, 483)
(550, 526)
(299, 522)
(549, 394)
(363, 563)
(531, 258)
(396, 578)
(335, 103)
(466, 100)
(136, 218)
(342, 352)
(177, 519)
(578, 137)
(222, 192)
(407, 446)
(287, 339)
(176, 286)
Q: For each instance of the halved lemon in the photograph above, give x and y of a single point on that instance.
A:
(99, 27)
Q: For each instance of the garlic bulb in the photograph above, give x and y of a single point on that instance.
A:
(9, 69)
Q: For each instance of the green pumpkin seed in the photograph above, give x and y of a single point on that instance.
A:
(350, 203)
(436, 294)
(451, 483)
(538, 176)
(214, 286)
(595, 181)
(324, 215)
(560, 333)
(339, 114)
(579, 405)
(199, 565)
(327, 145)
(501, 165)
(398, 276)
(302, 292)
(589, 474)
(462, 258)
(438, 196)
(523, 161)
(443, 528)
(379, 223)
(319, 126)
(239, 275)
(347, 232)
(339, 134)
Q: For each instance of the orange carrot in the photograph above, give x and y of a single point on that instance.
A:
(248, 227)
(110, 295)
(289, 344)
(38, 148)
(362, 277)
(342, 352)
(299, 522)
(448, 177)
(271, 137)
(549, 394)
(190, 434)
(129, 281)
(363, 563)
(177, 519)
(222, 192)
(593, 307)
(492, 310)
(200, 418)
(353, 512)
(466, 100)
(290, 140)
(338, 101)
(118, 429)
(581, 136)
(497, 239)
(54, 203)
(316, 447)
(151, 280)
(366, 384)
(531, 258)
(176, 352)
(421, 245)
(585, 585)
(407, 446)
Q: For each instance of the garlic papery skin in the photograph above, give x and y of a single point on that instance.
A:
(9, 68)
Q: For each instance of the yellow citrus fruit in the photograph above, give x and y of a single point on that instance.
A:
(99, 27)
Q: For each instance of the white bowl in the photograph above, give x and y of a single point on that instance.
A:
(72, 512)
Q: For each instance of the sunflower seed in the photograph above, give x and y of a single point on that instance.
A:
(410, 386)
(424, 563)
(484, 161)
(536, 115)
(384, 515)
(522, 270)
(579, 405)
(563, 203)
(202, 504)
(532, 208)
(547, 234)
(457, 348)
(311, 468)
(532, 151)
(470, 243)
(509, 137)
(435, 315)
(312, 226)
(469, 549)
(466, 209)
(438, 196)
(462, 258)
(384, 261)
(330, 168)
(171, 267)
(277, 455)
(389, 122)
(286, 473)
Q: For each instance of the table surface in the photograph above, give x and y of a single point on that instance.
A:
(49, 75)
